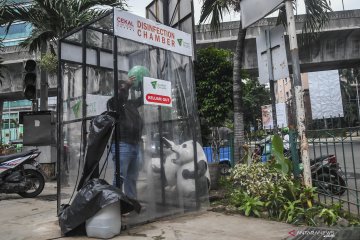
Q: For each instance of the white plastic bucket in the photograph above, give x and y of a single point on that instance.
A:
(106, 223)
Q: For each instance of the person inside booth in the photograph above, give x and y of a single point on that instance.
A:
(129, 131)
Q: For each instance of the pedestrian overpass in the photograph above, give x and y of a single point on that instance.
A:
(338, 46)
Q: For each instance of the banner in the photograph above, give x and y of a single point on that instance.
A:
(325, 94)
(142, 30)
(267, 118)
(157, 92)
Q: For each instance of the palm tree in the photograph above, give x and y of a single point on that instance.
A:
(316, 17)
(50, 19)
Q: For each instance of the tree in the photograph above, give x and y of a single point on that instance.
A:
(213, 78)
(316, 17)
(255, 95)
(50, 19)
(213, 75)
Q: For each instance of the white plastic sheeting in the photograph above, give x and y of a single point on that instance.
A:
(325, 94)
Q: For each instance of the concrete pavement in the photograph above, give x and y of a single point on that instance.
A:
(25, 219)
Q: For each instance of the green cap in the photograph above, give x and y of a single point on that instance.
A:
(139, 72)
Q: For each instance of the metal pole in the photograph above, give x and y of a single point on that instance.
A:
(162, 160)
(118, 180)
(271, 78)
(9, 122)
(43, 83)
(299, 98)
(59, 117)
(166, 12)
(343, 5)
(357, 98)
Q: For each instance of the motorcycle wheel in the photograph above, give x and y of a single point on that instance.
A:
(37, 182)
(331, 183)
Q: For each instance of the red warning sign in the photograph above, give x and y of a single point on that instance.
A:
(158, 98)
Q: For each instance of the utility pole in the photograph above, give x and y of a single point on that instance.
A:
(299, 97)
(271, 78)
(357, 98)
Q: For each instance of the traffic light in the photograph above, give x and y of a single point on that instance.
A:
(30, 80)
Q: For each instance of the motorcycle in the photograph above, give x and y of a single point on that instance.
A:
(326, 172)
(21, 173)
(327, 175)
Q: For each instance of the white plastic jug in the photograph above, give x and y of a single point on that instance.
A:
(106, 223)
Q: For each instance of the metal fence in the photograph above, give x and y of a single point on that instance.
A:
(334, 155)
(339, 148)
(220, 147)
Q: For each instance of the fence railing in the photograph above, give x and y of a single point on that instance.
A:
(335, 162)
(338, 175)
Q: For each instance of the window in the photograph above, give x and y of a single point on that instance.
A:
(17, 32)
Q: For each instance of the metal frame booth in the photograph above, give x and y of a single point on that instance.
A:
(172, 174)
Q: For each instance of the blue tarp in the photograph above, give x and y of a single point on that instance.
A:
(223, 155)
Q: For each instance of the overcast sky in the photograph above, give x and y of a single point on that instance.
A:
(138, 7)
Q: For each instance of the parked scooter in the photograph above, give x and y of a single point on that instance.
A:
(20, 173)
(326, 173)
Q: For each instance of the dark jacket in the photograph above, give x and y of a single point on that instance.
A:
(129, 123)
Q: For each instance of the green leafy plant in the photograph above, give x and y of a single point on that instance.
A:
(49, 63)
(329, 215)
(292, 212)
(292, 189)
(282, 163)
(307, 196)
(257, 179)
(275, 200)
(310, 215)
(237, 197)
(251, 205)
(354, 222)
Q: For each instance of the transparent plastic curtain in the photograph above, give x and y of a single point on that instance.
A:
(78, 92)
(166, 147)
(164, 195)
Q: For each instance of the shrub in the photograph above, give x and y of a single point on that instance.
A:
(258, 179)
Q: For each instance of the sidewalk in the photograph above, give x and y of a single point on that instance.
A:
(23, 219)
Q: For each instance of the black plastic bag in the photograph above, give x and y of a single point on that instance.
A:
(99, 133)
(93, 196)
